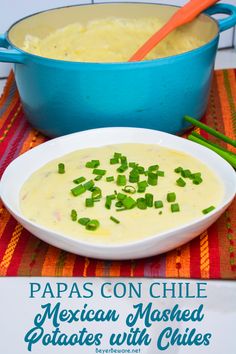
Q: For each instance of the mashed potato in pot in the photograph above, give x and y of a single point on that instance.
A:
(109, 40)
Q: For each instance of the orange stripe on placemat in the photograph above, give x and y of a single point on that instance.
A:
(171, 261)
(10, 249)
(224, 82)
(6, 89)
(114, 269)
(204, 256)
(50, 262)
(4, 218)
(67, 270)
(33, 139)
(184, 261)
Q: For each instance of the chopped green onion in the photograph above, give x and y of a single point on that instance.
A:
(197, 180)
(114, 220)
(134, 176)
(121, 196)
(110, 179)
(112, 196)
(117, 155)
(160, 173)
(196, 175)
(89, 185)
(79, 180)
(180, 182)
(158, 204)
(121, 180)
(61, 168)
(178, 169)
(149, 199)
(141, 203)
(141, 170)
(108, 202)
(153, 168)
(98, 178)
(92, 225)
(186, 173)
(83, 221)
(119, 204)
(99, 172)
(123, 160)
(175, 208)
(73, 215)
(78, 190)
(142, 186)
(114, 160)
(89, 202)
(122, 168)
(133, 164)
(96, 192)
(129, 189)
(171, 197)
(208, 210)
(152, 178)
(129, 203)
(92, 164)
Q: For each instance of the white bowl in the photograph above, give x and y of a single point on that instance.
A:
(21, 168)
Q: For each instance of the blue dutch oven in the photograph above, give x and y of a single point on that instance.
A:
(60, 97)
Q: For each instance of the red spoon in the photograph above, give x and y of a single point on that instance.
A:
(185, 14)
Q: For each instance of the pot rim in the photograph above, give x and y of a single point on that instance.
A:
(151, 62)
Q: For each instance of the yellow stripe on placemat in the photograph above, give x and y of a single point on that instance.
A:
(6, 260)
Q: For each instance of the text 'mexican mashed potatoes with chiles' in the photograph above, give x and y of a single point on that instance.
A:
(120, 193)
(109, 40)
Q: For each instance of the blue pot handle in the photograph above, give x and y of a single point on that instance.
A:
(227, 9)
(9, 55)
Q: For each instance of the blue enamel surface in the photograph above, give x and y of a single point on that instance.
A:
(62, 97)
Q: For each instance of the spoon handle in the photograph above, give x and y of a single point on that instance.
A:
(184, 15)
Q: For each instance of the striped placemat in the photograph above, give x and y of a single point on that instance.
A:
(212, 255)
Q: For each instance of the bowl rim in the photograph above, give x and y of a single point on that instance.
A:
(119, 246)
(152, 62)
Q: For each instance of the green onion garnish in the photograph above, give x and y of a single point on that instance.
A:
(133, 164)
(61, 168)
(141, 203)
(83, 221)
(153, 168)
(92, 225)
(89, 202)
(108, 202)
(121, 180)
(197, 180)
(152, 178)
(117, 155)
(119, 204)
(208, 210)
(96, 192)
(178, 169)
(114, 220)
(89, 185)
(160, 173)
(114, 160)
(129, 203)
(175, 208)
(98, 177)
(99, 172)
(196, 175)
(92, 164)
(149, 199)
(142, 186)
(134, 176)
(158, 204)
(129, 189)
(186, 173)
(79, 180)
(122, 168)
(110, 179)
(78, 190)
(121, 196)
(123, 160)
(171, 197)
(180, 182)
(73, 215)
(141, 170)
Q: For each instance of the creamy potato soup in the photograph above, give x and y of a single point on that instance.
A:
(120, 193)
(109, 40)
